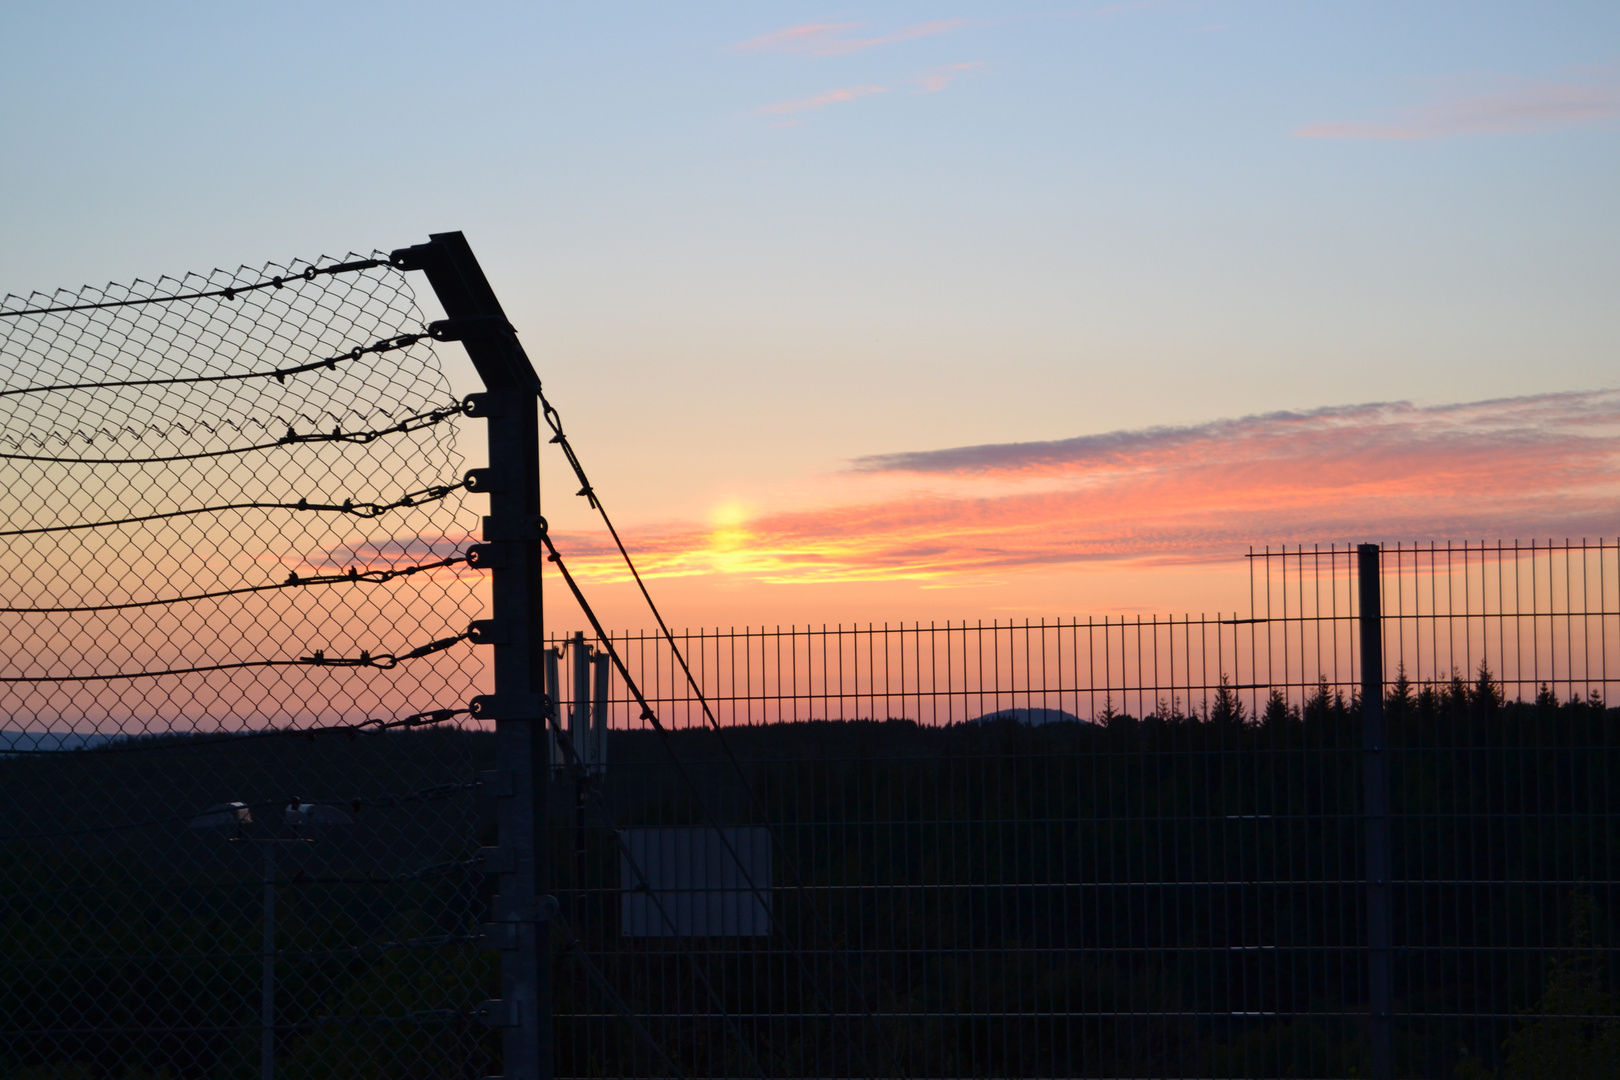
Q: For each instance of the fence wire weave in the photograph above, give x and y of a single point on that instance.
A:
(232, 518)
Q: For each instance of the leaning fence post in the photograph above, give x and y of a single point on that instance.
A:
(521, 704)
(1375, 812)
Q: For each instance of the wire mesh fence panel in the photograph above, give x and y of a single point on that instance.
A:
(1106, 848)
(1036, 672)
(232, 524)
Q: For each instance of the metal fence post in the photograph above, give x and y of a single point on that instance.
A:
(512, 552)
(1375, 811)
(267, 990)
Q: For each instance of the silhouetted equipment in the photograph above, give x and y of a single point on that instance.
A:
(298, 818)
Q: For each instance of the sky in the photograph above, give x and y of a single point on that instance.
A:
(919, 311)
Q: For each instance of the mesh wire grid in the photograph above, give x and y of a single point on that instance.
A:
(1114, 848)
(278, 545)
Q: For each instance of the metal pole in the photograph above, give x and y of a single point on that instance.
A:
(1375, 767)
(520, 705)
(579, 715)
(267, 1005)
(601, 664)
(579, 732)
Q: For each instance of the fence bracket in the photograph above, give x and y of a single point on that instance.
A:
(489, 632)
(483, 481)
(510, 706)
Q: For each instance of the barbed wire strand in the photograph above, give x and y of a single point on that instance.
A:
(143, 432)
(229, 292)
(365, 510)
(414, 422)
(170, 741)
(357, 315)
(400, 341)
(373, 577)
(380, 661)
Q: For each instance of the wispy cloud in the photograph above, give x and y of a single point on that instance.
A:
(937, 79)
(1498, 107)
(821, 100)
(1533, 466)
(1134, 5)
(837, 39)
(927, 82)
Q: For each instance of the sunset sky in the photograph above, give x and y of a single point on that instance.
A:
(920, 311)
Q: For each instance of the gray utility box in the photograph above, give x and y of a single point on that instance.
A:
(696, 882)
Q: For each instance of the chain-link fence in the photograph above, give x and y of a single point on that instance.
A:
(233, 609)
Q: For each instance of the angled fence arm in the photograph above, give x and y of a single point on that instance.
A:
(511, 550)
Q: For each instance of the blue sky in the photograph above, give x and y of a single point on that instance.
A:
(748, 244)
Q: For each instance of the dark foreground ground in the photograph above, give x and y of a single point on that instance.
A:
(1168, 897)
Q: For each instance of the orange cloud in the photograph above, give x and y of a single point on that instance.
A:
(1536, 466)
(828, 39)
(821, 100)
(1505, 106)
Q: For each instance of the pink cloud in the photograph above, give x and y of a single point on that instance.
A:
(932, 82)
(1504, 106)
(1547, 465)
(829, 39)
(821, 100)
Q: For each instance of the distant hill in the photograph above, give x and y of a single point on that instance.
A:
(1032, 717)
(45, 741)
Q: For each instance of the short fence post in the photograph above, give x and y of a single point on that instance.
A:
(1375, 812)
(522, 702)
